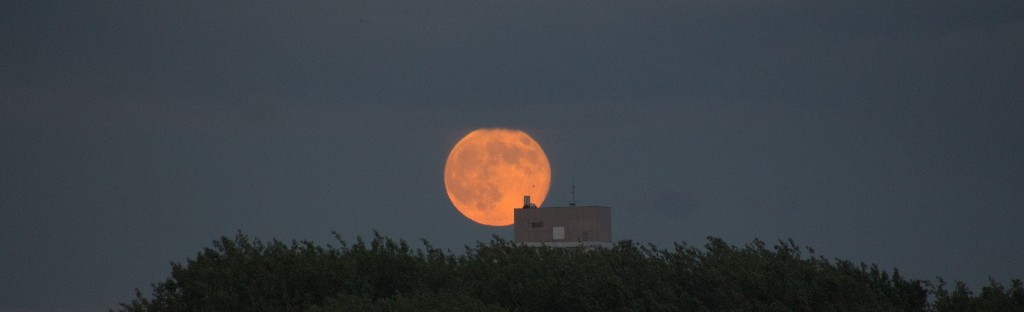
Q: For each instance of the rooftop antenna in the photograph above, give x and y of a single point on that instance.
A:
(573, 202)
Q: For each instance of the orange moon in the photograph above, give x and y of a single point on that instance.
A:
(489, 171)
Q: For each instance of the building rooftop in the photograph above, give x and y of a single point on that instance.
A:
(566, 226)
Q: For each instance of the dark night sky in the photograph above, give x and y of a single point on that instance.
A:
(133, 133)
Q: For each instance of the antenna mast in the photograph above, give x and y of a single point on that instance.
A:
(573, 202)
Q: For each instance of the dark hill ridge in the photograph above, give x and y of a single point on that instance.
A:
(243, 274)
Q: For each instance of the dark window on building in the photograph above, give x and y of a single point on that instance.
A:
(584, 237)
(536, 224)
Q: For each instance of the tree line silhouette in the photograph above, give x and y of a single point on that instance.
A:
(382, 274)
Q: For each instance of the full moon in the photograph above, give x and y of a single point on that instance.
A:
(490, 170)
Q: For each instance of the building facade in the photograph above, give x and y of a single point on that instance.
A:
(569, 226)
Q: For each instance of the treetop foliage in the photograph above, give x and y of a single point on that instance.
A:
(382, 274)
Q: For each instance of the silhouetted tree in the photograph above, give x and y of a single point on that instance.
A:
(244, 274)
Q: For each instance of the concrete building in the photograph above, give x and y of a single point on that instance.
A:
(569, 226)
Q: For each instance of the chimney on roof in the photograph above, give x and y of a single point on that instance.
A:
(526, 202)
